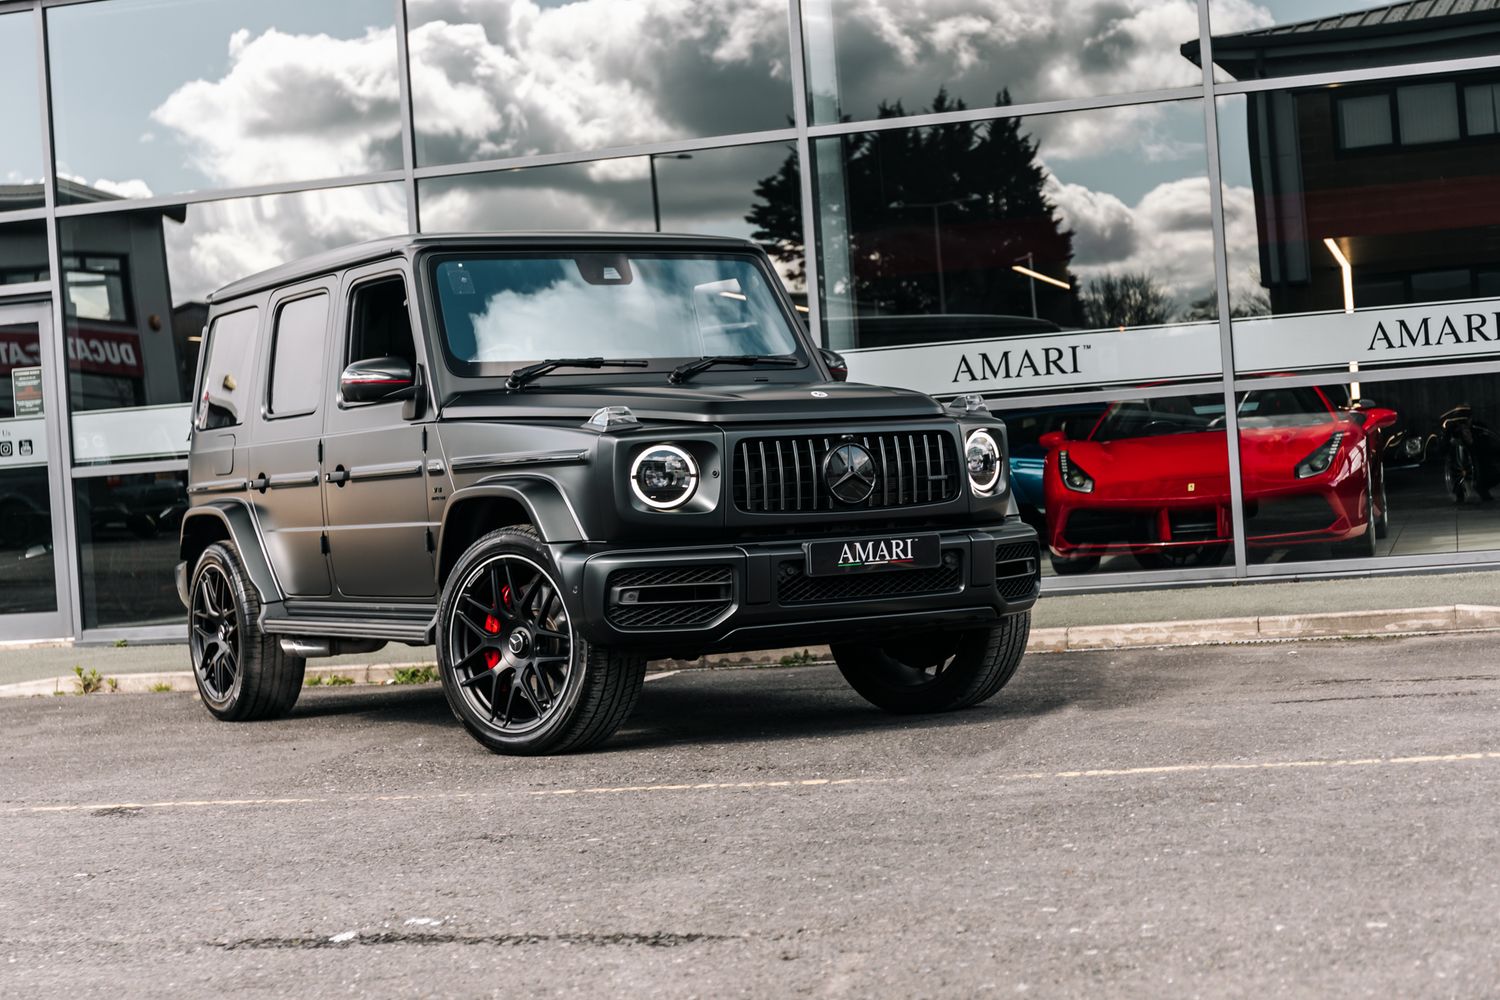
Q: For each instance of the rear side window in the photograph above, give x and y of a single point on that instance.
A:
(297, 356)
(226, 369)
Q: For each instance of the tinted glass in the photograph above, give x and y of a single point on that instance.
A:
(1272, 38)
(1361, 224)
(498, 312)
(1422, 455)
(297, 355)
(1140, 483)
(874, 58)
(744, 191)
(23, 252)
(127, 548)
(512, 77)
(136, 287)
(161, 96)
(20, 114)
(27, 580)
(1019, 254)
(228, 371)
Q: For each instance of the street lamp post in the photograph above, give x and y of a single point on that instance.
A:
(655, 200)
(1033, 276)
(937, 237)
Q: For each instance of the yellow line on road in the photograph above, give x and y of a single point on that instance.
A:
(1101, 772)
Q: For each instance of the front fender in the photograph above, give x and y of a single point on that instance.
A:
(231, 520)
(542, 497)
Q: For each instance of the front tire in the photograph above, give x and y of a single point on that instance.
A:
(935, 671)
(242, 673)
(514, 670)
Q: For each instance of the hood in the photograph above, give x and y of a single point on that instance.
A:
(1151, 465)
(711, 404)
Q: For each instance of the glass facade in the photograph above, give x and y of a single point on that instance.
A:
(1231, 271)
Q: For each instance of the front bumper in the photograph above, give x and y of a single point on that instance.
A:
(756, 595)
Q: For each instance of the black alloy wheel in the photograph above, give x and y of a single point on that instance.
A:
(515, 671)
(511, 643)
(242, 673)
(215, 636)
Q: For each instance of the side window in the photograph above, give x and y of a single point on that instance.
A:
(226, 369)
(379, 323)
(297, 356)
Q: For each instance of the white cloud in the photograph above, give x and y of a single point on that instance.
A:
(222, 241)
(292, 106)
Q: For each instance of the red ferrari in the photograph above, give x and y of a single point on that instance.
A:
(1152, 479)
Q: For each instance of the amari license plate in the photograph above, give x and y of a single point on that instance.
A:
(872, 555)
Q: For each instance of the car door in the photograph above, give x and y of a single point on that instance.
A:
(380, 540)
(284, 464)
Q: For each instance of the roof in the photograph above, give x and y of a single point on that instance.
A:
(1407, 17)
(398, 246)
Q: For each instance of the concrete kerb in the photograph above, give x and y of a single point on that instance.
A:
(1220, 631)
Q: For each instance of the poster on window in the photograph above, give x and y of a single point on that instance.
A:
(26, 391)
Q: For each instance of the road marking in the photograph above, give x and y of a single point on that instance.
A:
(1273, 765)
(1024, 776)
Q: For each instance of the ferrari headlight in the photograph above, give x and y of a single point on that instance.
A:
(982, 456)
(1073, 476)
(664, 477)
(1320, 460)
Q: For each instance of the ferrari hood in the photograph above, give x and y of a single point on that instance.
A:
(1170, 464)
(715, 404)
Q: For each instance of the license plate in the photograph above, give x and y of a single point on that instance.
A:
(873, 555)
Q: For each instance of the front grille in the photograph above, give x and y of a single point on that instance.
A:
(675, 597)
(1288, 515)
(1188, 525)
(785, 474)
(1018, 570)
(794, 586)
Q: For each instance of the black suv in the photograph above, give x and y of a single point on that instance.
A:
(559, 456)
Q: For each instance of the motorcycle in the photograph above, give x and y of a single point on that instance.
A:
(1471, 452)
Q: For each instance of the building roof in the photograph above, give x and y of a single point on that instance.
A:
(397, 246)
(1410, 24)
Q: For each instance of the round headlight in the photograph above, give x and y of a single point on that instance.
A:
(982, 455)
(664, 477)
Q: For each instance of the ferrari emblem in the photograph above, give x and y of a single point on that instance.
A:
(1192, 487)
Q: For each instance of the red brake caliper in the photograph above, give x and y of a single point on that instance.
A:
(492, 626)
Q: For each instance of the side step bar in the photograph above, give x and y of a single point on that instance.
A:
(413, 629)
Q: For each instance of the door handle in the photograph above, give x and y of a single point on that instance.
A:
(260, 483)
(338, 476)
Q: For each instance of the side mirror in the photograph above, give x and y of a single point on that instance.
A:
(377, 379)
(1379, 418)
(838, 368)
(1053, 440)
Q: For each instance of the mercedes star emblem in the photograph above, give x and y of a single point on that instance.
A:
(849, 472)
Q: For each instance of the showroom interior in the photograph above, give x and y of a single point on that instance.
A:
(1229, 268)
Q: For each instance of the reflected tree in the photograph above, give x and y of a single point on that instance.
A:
(1132, 298)
(971, 194)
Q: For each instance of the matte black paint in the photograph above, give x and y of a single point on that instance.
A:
(348, 517)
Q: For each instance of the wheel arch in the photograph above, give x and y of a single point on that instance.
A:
(228, 521)
(479, 509)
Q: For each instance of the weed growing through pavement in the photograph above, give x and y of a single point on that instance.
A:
(114, 684)
(338, 680)
(315, 681)
(160, 687)
(425, 674)
(91, 682)
(121, 643)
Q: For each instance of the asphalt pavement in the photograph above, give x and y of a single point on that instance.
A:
(1314, 819)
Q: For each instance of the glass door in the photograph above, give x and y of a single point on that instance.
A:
(31, 592)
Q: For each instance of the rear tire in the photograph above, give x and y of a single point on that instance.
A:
(514, 670)
(935, 671)
(242, 673)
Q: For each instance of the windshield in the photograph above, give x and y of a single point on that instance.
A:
(502, 312)
(1134, 418)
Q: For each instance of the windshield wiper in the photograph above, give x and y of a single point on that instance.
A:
(521, 376)
(682, 373)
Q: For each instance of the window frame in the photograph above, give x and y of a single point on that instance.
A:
(205, 359)
(267, 412)
(346, 353)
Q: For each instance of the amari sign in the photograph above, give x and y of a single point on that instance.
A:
(1452, 331)
(1028, 363)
